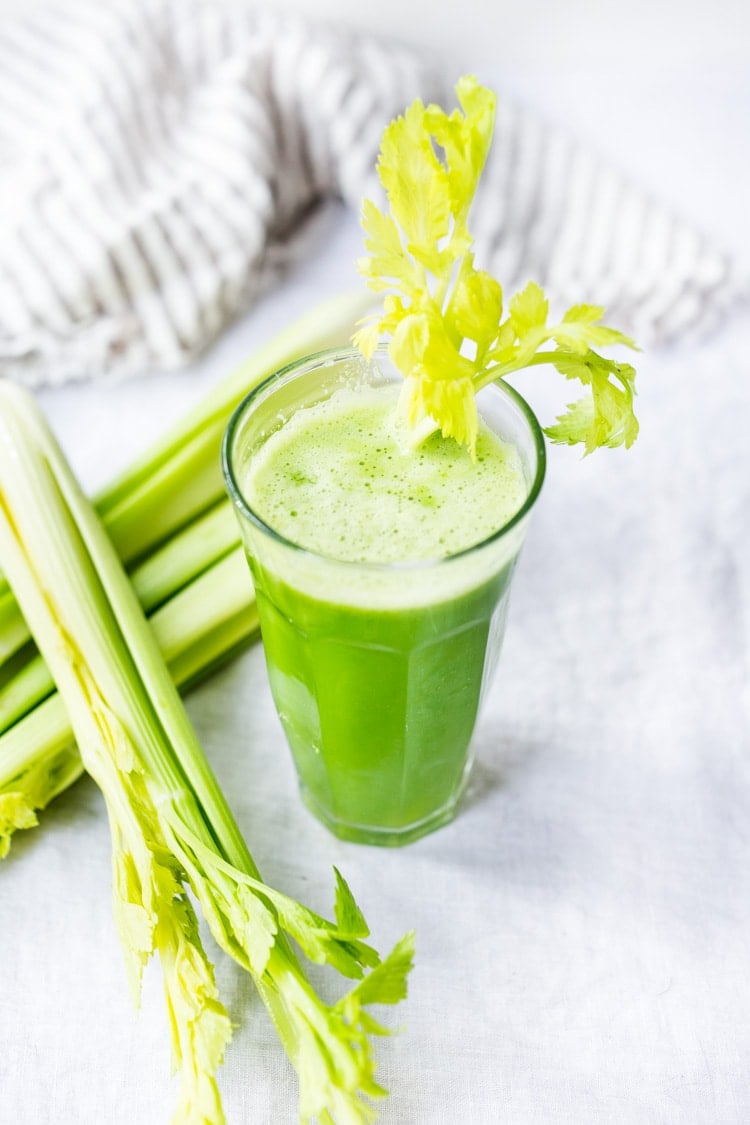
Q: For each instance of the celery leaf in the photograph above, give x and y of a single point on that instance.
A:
(444, 317)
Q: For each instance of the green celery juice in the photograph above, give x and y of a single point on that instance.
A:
(380, 632)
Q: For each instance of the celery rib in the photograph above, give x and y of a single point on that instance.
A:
(14, 632)
(204, 542)
(175, 485)
(30, 685)
(179, 477)
(148, 502)
(197, 630)
(188, 555)
(168, 816)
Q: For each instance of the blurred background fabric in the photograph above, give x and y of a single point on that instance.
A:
(160, 162)
(157, 160)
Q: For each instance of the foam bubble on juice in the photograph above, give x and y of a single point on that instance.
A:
(340, 478)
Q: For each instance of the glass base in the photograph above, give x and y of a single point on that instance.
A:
(382, 837)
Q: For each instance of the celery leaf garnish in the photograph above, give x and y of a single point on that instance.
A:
(444, 316)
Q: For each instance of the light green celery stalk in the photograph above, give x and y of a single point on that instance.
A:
(179, 477)
(169, 821)
(166, 474)
(29, 686)
(201, 627)
(39, 759)
(208, 622)
(186, 556)
(14, 632)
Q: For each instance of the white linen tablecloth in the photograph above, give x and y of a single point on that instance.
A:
(583, 928)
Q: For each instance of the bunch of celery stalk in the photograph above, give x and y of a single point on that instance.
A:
(173, 528)
(99, 694)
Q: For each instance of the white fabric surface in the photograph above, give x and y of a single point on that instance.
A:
(157, 158)
(157, 161)
(583, 927)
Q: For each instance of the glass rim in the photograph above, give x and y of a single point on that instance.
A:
(324, 358)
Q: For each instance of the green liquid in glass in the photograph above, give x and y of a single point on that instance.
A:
(379, 701)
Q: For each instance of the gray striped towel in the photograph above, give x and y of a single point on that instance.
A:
(158, 157)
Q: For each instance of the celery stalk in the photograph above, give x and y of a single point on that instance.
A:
(28, 687)
(14, 632)
(193, 550)
(197, 630)
(201, 545)
(169, 820)
(179, 477)
(207, 622)
(35, 779)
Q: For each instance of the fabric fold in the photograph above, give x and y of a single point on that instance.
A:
(158, 157)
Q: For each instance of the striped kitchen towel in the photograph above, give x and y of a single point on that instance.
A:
(158, 158)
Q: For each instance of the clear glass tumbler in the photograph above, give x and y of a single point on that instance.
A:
(377, 670)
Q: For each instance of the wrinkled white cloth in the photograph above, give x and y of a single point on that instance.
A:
(158, 158)
(582, 928)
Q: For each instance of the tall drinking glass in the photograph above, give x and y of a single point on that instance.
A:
(377, 670)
